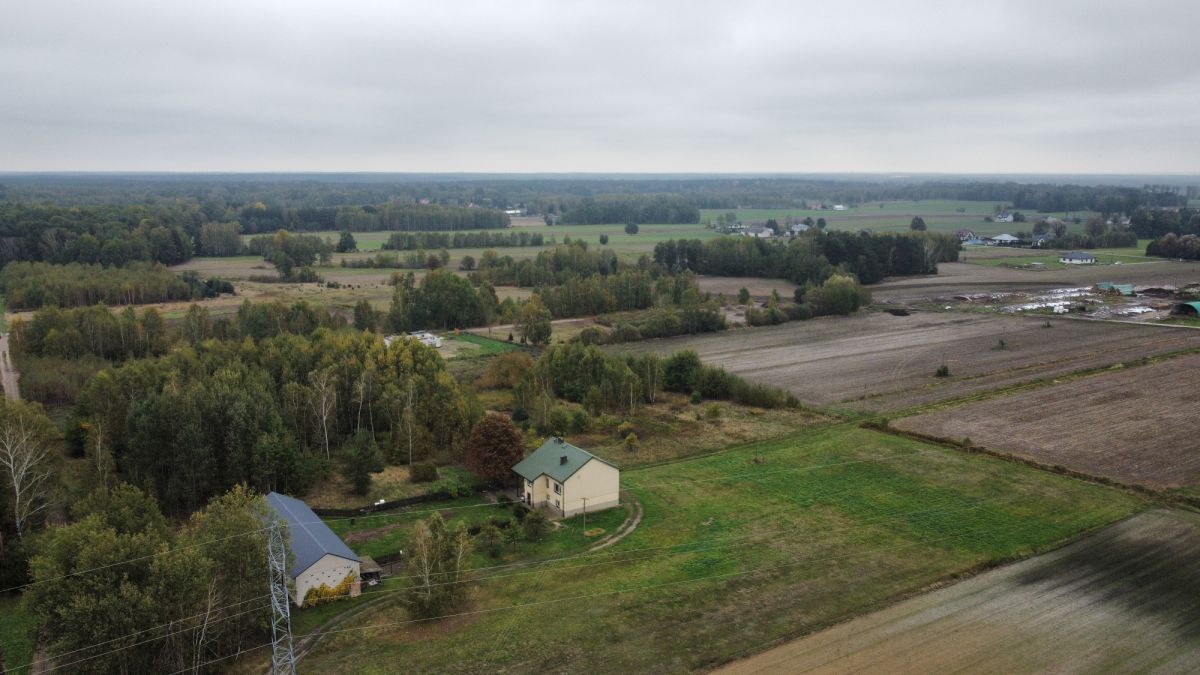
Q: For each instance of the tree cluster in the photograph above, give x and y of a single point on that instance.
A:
(270, 412)
(811, 258)
(412, 241)
(30, 285)
(153, 598)
(1185, 246)
(664, 209)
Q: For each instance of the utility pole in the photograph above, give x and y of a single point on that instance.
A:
(283, 660)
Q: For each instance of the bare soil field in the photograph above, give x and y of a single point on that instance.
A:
(1120, 600)
(759, 288)
(1135, 425)
(956, 278)
(880, 362)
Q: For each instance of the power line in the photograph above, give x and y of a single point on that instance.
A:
(143, 642)
(145, 630)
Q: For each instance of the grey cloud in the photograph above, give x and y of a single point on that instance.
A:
(993, 86)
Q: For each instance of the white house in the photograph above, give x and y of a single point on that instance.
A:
(567, 480)
(1077, 258)
(1002, 240)
(1004, 218)
(319, 557)
(839, 207)
(759, 232)
(799, 228)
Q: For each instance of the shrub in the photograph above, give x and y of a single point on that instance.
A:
(558, 422)
(604, 240)
(695, 398)
(489, 540)
(743, 296)
(681, 371)
(625, 332)
(799, 312)
(519, 414)
(506, 370)
(422, 472)
(493, 447)
(943, 371)
(520, 511)
(580, 421)
(592, 336)
(320, 595)
(624, 429)
(534, 526)
(713, 411)
(631, 443)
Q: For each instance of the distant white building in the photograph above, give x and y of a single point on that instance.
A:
(1077, 258)
(798, 228)
(424, 337)
(839, 207)
(759, 232)
(1002, 240)
(1004, 218)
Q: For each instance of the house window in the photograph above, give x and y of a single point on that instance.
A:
(547, 482)
(557, 489)
(557, 504)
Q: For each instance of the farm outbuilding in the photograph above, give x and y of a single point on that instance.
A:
(566, 480)
(1186, 308)
(318, 556)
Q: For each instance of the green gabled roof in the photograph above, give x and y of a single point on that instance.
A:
(548, 460)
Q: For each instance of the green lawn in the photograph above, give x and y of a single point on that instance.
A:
(480, 346)
(16, 634)
(733, 553)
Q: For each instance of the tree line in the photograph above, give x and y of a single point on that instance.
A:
(631, 209)
(108, 235)
(30, 285)
(812, 258)
(1186, 246)
(603, 382)
(413, 241)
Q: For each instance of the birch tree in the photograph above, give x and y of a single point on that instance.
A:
(26, 459)
(323, 401)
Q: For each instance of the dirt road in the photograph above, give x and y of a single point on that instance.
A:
(8, 372)
(1125, 599)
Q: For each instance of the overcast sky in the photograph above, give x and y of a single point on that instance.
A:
(504, 85)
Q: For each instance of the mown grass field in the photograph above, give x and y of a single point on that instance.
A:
(733, 553)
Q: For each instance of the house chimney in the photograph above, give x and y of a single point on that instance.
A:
(562, 460)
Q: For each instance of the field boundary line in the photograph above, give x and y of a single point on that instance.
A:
(1172, 499)
(945, 582)
(1038, 383)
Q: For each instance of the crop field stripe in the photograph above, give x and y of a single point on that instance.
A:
(1156, 342)
(1080, 544)
(767, 568)
(1080, 537)
(1040, 383)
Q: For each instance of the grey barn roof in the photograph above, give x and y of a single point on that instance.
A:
(310, 539)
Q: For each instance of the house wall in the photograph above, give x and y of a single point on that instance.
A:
(329, 570)
(600, 483)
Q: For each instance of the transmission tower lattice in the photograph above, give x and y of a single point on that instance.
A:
(283, 660)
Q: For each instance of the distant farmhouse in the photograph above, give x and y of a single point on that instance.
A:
(798, 228)
(965, 235)
(1002, 240)
(839, 207)
(759, 232)
(1077, 258)
(565, 480)
(1005, 217)
(319, 557)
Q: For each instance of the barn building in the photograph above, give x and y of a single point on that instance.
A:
(318, 555)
